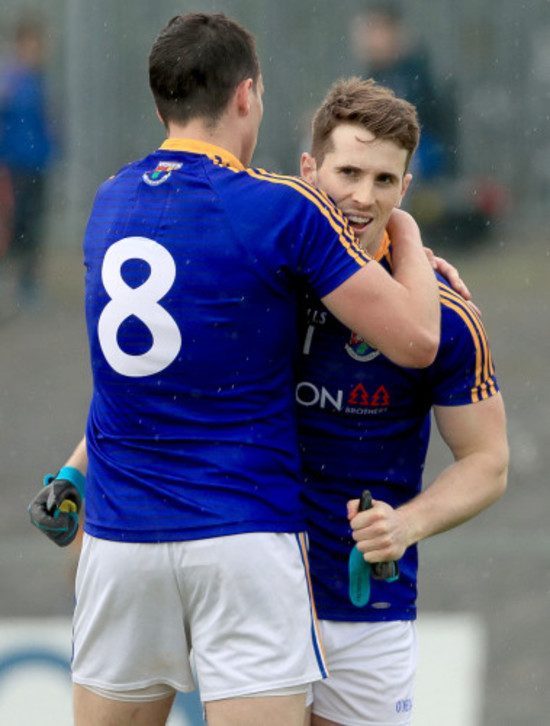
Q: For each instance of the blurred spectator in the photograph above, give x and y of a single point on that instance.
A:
(448, 206)
(26, 150)
(385, 47)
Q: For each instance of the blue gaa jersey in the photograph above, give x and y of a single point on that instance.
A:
(364, 423)
(192, 263)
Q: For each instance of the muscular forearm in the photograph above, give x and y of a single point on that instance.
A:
(460, 492)
(476, 434)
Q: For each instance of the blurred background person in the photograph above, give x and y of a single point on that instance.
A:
(444, 202)
(390, 54)
(26, 152)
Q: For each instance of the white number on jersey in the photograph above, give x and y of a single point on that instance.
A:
(141, 302)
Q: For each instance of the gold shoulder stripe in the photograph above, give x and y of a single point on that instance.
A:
(484, 369)
(452, 296)
(302, 184)
(324, 205)
(322, 197)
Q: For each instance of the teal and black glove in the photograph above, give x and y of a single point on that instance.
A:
(54, 510)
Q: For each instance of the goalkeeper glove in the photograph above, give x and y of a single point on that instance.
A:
(54, 510)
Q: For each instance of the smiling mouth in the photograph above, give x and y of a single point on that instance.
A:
(358, 223)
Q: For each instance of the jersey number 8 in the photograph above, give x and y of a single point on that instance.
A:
(141, 302)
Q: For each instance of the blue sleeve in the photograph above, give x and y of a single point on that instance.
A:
(316, 238)
(464, 372)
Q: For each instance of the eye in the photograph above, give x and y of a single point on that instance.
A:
(386, 179)
(349, 171)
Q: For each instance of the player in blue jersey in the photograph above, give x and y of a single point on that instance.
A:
(194, 526)
(364, 424)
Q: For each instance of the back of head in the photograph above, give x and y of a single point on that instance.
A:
(196, 63)
(369, 105)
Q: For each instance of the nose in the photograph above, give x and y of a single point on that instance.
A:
(363, 193)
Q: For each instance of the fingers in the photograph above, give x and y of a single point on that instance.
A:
(378, 532)
(353, 508)
(60, 528)
(52, 502)
(460, 286)
(64, 495)
(55, 522)
(430, 254)
(452, 275)
(475, 308)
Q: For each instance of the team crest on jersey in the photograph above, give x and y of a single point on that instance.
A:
(161, 173)
(359, 350)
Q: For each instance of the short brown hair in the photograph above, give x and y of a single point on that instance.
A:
(369, 105)
(197, 62)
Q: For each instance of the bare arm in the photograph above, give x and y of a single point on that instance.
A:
(79, 458)
(476, 434)
(399, 314)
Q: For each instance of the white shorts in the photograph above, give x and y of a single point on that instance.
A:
(372, 668)
(242, 602)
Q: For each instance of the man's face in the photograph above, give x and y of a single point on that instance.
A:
(366, 178)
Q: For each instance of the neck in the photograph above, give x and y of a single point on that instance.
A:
(371, 247)
(218, 135)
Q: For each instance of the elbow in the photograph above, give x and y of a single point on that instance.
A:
(425, 337)
(499, 478)
(420, 351)
(428, 349)
(502, 479)
(503, 468)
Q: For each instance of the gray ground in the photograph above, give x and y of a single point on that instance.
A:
(496, 566)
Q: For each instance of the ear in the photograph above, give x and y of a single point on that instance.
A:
(242, 96)
(160, 117)
(308, 168)
(406, 181)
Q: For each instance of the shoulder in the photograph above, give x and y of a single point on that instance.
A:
(463, 334)
(457, 312)
(463, 370)
(288, 200)
(293, 189)
(127, 172)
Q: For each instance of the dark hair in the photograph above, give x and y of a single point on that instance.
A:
(29, 27)
(196, 63)
(369, 105)
(391, 10)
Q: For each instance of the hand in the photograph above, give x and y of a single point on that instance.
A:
(379, 532)
(450, 273)
(54, 510)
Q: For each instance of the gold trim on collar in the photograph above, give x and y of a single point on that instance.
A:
(202, 147)
(384, 249)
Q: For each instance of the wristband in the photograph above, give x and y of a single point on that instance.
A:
(69, 473)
